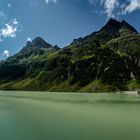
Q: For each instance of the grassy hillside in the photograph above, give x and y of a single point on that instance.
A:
(107, 60)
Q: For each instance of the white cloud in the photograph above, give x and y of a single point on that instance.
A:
(29, 39)
(6, 53)
(8, 31)
(109, 6)
(34, 3)
(132, 6)
(8, 27)
(9, 5)
(47, 1)
(115, 8)
(14, 21)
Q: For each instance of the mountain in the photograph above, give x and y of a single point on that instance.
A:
(113, 26)
(35, 48)
(106, 60)
(113, 29)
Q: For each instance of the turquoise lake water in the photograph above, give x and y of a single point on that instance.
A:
(68, 116)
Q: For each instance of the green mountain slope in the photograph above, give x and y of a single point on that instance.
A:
(107, 60)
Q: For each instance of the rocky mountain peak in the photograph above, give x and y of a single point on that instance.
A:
(128, 26)
(39, 43)
(112, 24)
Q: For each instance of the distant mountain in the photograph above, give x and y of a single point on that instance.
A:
(107, 60)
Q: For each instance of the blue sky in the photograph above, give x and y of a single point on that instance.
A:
(58, 21)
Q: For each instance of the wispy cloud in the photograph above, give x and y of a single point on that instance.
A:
(109, 6)
(113, 8)
(2, 17)
(131, 6)
(9, 5)
(47, 1)
(34, 3)
(92, 1)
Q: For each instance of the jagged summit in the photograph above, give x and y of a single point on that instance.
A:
(128, 26)
(38, 42)
(36, 47)
(114, 25)
(112, 29)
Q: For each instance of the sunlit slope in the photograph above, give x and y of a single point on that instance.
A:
(107, 60)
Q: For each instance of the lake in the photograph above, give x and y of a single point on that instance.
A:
(68, 116)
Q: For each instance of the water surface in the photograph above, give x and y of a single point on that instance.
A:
(68, 116)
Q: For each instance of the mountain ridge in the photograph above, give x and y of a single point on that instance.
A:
(106, 60)
(108, 29)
